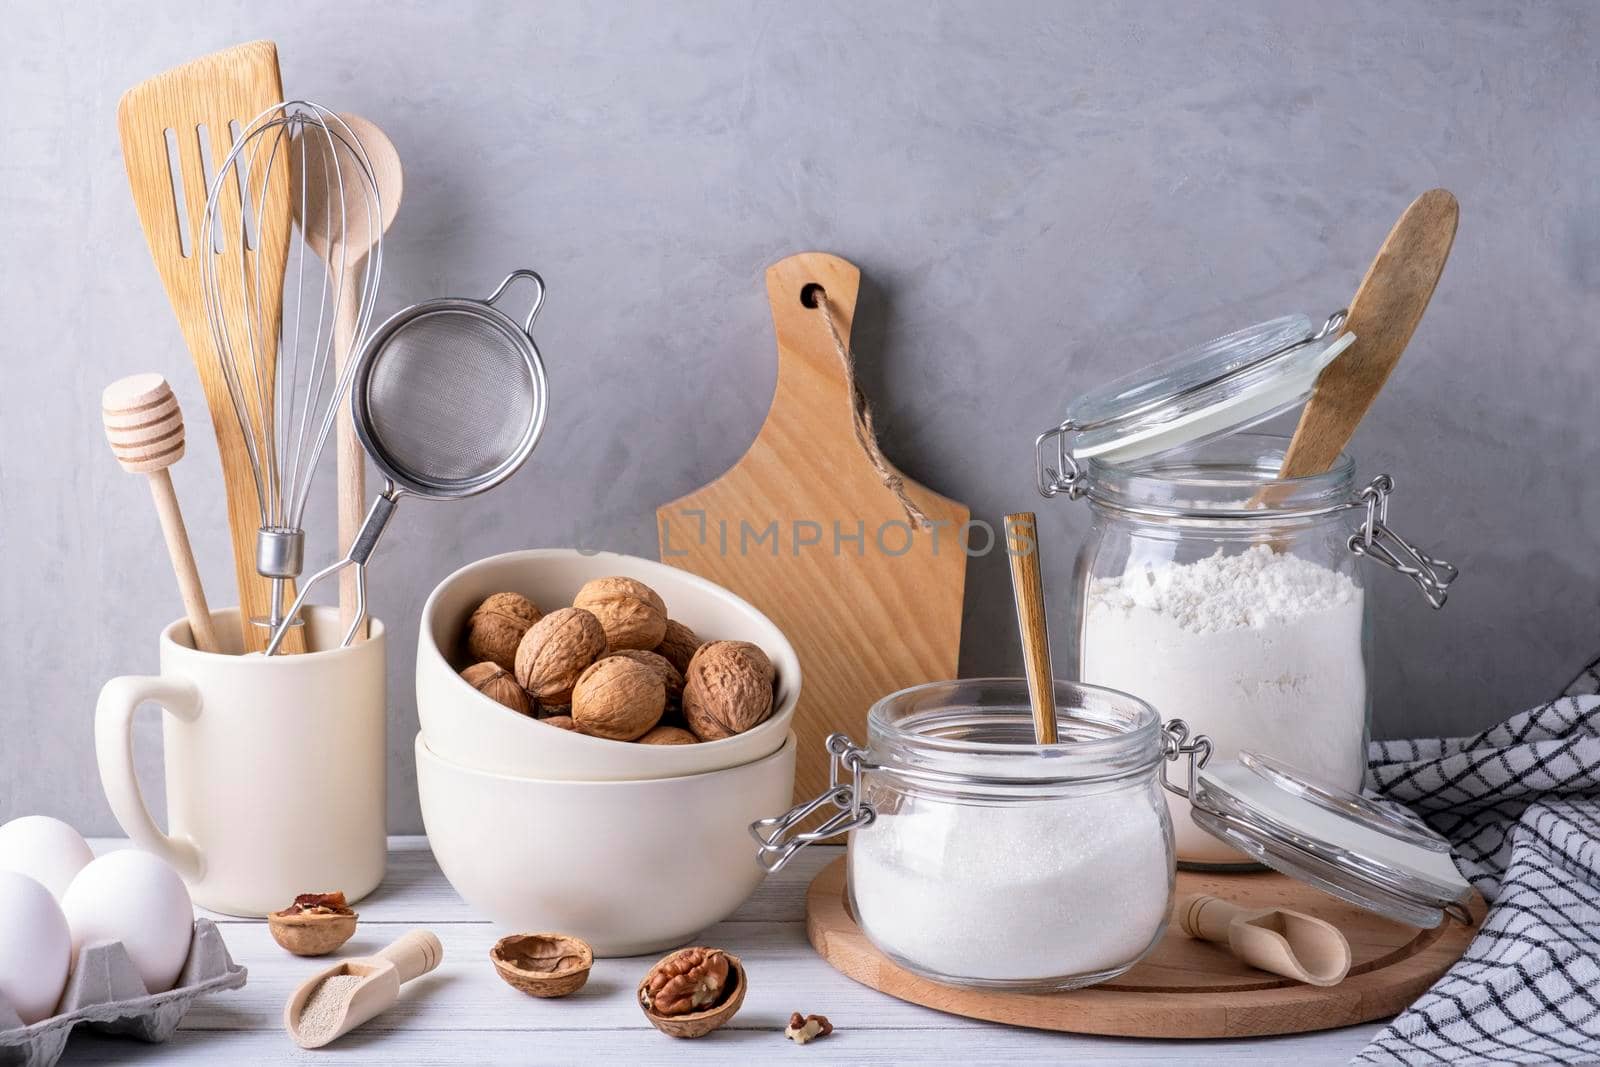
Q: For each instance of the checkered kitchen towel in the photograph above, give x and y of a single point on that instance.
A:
(1521, 805)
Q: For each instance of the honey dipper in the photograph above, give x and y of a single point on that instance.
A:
(145, 427)
(1289, 943)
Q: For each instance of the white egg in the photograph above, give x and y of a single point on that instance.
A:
(35, 947)
(45, 849)
(132, 897)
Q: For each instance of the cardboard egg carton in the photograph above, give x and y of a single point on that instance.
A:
(106, 992)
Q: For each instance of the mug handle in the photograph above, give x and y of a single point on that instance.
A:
(113, 746)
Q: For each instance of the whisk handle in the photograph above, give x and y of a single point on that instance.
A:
(361, 550)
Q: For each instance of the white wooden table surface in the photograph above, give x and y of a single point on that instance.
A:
(463, 1014)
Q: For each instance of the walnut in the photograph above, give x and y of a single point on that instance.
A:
(496, 683)
(619, 698)
(555, 650)
(728, 689)
(803, 1028)
(678, 645)
(560, 722)
(496, 626)
(669, 735)
(314, 925)
(693, 991)
(631, 613)
(671, 677)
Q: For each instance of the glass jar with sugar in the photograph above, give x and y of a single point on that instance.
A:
(980, 858)
(1208, 585)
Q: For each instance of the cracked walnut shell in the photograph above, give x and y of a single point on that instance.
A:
(632, 614)
(496, 683)
(728, 689)
(555, 651)
(496, 626)
(618, 698)
(693, 991)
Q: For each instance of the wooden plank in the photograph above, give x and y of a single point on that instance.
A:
(464, 1014)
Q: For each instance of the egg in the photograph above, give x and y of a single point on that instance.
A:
(132, 897)
(35, 947)
(45, 849)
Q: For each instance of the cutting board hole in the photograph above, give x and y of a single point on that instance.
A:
(809, 294)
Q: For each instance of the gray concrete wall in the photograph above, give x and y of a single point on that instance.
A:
(1040, 194)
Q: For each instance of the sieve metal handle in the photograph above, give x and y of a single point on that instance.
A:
(538, 295)
(361, 549)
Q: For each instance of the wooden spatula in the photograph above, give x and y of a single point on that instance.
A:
(805, 529)
(1289, 943)
(1383, 315)
(210, 101)
(413, 955)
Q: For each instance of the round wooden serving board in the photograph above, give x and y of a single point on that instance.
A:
(1185, 988)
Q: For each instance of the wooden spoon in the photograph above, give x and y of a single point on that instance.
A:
(1289, 943)
(1383, 315)
(412, 956)
(358, 236)
(1027, 586)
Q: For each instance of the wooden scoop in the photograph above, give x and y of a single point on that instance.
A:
(1289, 943)
(1383, 315)
(412, 956)
(145, 427)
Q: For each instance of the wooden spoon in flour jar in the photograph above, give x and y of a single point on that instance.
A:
(1383, 315)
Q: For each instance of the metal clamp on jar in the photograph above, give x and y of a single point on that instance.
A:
(1221, 593)
(979, 858)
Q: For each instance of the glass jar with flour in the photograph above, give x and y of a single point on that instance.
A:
(1210, 587)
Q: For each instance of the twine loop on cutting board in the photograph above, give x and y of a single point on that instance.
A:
(861, 416)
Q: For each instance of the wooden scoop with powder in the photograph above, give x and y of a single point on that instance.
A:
(341, 998)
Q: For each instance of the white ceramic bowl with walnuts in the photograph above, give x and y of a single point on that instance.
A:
(630, 867)
(467, 727)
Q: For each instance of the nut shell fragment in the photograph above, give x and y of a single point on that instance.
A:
(314, 925)
(555, 651)
(693, 991)
(543, 965)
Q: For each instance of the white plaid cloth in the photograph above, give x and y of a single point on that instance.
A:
(1521, 805)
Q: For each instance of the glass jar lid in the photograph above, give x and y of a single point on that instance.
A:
(1379, 858)
(1223, 386)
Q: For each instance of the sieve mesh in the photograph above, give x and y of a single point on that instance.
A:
(449, 398)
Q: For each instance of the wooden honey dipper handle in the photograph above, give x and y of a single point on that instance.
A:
(145, 427)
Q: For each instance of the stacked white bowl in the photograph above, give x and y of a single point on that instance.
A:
(634, 848)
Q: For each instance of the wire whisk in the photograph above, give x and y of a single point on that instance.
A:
(279, 364)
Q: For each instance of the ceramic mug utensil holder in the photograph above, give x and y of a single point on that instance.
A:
(275, 766)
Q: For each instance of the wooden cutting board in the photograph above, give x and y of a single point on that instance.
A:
(866, 616)
(1185, 988)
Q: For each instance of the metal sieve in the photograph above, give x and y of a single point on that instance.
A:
(448, 399)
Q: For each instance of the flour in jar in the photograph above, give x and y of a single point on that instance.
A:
(1258, 650)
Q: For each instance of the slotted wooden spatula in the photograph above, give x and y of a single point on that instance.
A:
(166, 124)
(805, 529)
